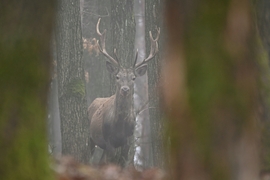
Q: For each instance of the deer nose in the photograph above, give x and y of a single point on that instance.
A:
(125, 89)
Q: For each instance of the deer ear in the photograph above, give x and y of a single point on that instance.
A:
(141, 70)
(111, 67)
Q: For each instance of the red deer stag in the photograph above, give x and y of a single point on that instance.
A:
(112, 119)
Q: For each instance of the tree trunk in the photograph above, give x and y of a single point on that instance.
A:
(123, 31)
(25, 34)
(263, 8)
(210, 90)
(98, 82)
(54, 120)
(263, 21)
(71, 82)
(143, 152)
(154, 14)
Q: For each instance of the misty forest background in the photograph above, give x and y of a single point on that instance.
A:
(203, 107)
(91, 80)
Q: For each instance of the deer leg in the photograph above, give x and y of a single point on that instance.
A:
(97, 153)
(110, 153)
(124, 155)
(92, 146)
(97, 157)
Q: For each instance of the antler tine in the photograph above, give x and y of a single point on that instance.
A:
(115, 54)
(97, 27)
(154, 47)
(136, 57)
(158, 33)
(101, 47)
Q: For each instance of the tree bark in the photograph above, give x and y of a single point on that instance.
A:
(25, 34)
(123, 31)
(99, 83)
(263, 20)
(71, 82)
(263, 7)
(154, 13)
(143, 152)
(54, 120)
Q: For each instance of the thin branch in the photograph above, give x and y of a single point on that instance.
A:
(146, 109)
(97, 14)
(143, 108)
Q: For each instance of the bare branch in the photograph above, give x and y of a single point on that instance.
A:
(97, 14)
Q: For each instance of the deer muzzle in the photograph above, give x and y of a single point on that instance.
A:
(124, 90)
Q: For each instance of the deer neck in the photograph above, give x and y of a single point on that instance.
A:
(123, 106)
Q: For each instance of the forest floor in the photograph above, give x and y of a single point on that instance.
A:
(66, 168)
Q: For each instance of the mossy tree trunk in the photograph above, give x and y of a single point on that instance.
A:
(25, 35)
(263, 22)
(71, 82)
(263, 9)
(210, 90)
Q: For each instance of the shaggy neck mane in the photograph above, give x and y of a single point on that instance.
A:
(123, 106)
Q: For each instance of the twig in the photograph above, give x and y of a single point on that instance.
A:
(98, 14)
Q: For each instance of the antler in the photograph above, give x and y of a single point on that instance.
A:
(102, 47)
(153, 51)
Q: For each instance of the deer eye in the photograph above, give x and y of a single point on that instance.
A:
(117, 77)
(133, 78)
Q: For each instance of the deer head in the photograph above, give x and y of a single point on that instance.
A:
(125, 77)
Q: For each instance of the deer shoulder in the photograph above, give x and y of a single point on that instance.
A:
(98, 102)
(97, 112)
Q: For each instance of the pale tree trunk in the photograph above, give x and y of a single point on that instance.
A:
(25, 35)
(71, 82)
(81, 9)
(54, 120)
(143, 155)
(210, 90)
